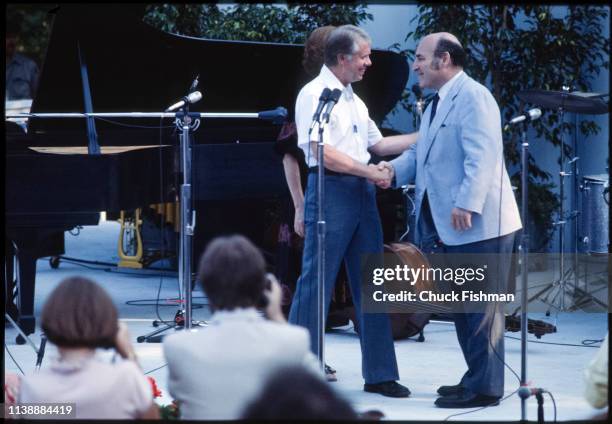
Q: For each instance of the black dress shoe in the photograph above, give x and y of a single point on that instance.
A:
(388, 388)
(450, 390)
(466, 400)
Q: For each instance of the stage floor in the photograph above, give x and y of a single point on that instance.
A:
(555, 362)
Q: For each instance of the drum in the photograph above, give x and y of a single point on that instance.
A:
(595, 213)
(404, 325)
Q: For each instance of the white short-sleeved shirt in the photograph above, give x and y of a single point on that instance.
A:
(350, 129)
(99, 390)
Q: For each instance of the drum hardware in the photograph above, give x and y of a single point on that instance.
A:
(577, 102)
(534, 326)
(410, 212)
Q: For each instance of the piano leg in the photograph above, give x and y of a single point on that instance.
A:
(28, 244)
(9, 279)
(26, 274)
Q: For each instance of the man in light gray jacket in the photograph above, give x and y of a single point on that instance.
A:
(216, 372)
(464, 203)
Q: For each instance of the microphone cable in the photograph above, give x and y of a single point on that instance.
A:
(155, 369)
(14, 360)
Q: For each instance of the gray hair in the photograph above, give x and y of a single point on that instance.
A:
(344, 40)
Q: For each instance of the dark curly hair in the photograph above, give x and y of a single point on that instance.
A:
(314, 49)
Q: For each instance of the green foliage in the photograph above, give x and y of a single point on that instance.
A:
(170, 412)
(515, 47)
(252, 22)
(34, 27)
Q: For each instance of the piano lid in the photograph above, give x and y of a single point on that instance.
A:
(134, 67)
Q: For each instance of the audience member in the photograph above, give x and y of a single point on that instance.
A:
(21, 72)
(78, 317)
(596, 378)
(215, 372)
(294, 393)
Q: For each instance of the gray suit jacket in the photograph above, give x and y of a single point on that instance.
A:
(459, 161)
(217, 371)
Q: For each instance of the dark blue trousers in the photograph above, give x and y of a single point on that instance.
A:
(480, 335)
(352, 229)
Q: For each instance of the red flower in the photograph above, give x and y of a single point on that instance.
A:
(156, 392)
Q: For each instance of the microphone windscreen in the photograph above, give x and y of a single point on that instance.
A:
(335, 95)
(196, 96)
(416, 89)
(325, 94)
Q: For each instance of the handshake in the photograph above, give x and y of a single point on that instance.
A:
(381, 174)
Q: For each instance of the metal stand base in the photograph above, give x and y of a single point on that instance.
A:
(40, 351)
(559, 290)
(156, 336)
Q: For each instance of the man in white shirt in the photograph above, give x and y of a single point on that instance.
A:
(353, 226)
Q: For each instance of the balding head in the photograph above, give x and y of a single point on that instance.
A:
(437, 36)
(439, 56)
(445, 42)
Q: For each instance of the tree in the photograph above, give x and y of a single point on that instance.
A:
(33, 22)
(512, 48)
(252, 22)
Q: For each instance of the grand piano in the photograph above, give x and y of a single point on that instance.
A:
(53, 184)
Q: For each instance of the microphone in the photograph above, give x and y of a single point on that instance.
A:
(277, 116)
(191, 98)
(331, 102)
(322, 100)
(41, 351)
(530, 115)
(524, 392)
(194, 84)
(418, 92)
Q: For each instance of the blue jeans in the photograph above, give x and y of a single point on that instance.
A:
(352, 229)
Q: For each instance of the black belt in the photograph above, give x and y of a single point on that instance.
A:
(315, 169)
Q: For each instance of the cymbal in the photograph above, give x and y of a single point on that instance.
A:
(572, 102)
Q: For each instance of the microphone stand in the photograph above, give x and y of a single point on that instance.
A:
(183, 319)
(408, 190)
(523, 256)
(321, 226)
(524, 247)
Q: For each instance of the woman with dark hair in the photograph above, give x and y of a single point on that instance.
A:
(79, 317)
